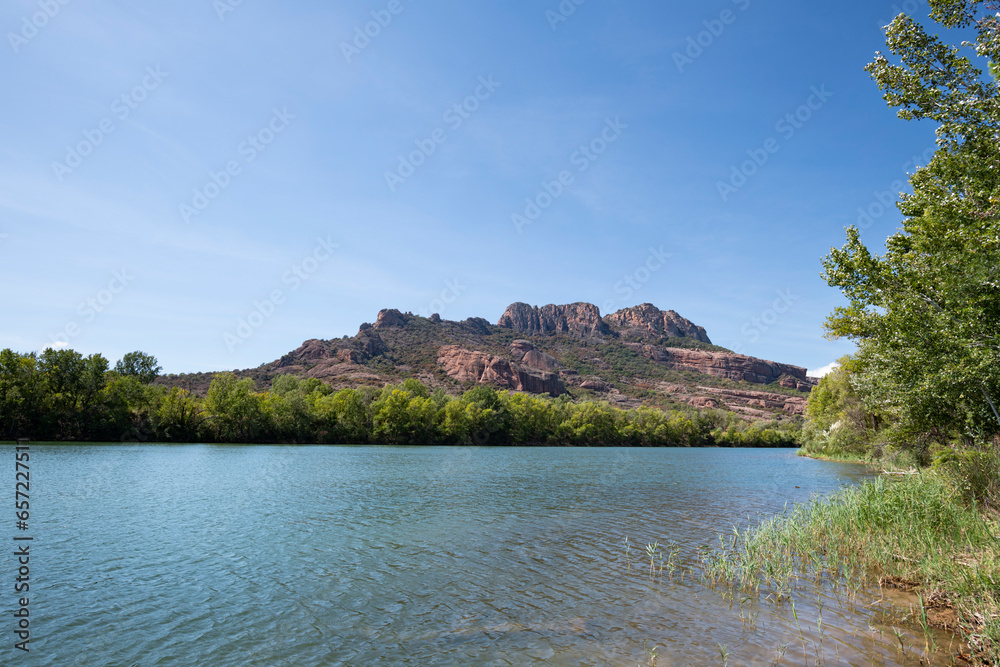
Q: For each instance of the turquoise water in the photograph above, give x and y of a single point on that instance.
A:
(254, 555)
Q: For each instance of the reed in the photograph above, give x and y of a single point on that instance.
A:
(913, 528)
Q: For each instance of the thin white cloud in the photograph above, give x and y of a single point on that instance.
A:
(820, 372)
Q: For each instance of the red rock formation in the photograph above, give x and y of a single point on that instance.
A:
(311, 350)
(389, 317)
(371, 344)
(468, 366)
(526, 353)
(646, 320)
(793, 405)
(721, 364)
(349, 356)
(581, 319)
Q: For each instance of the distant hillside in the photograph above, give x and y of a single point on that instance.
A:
(639, 355)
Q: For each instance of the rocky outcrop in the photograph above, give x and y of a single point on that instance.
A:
(361, 348)
(595, 385)
(311, 350)
(479, 325)
(524, 352)
(648, 321)
(370, 344)
(760, 400)
(348, 356)
(578, 319)
(389, 317)
(722, 364)
(569, 346)
(790, 382)
(481, 368)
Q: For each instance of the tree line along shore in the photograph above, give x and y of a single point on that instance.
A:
(61, 395)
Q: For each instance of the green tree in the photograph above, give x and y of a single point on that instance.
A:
(235, 410)
(926, 314)
(73, 397)
(139, 365)
(21, 394)
(346, 416)
(178, 416)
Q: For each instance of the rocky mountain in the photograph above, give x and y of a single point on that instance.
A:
(577, 319)
(645, 321)
(639, 355)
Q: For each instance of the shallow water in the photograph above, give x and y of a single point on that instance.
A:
(252, 555)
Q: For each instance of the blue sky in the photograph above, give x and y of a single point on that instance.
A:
(213, 182)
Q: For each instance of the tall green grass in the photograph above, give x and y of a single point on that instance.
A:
(917, 528)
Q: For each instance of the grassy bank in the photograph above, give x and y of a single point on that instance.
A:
(838, 457)
(919, 531)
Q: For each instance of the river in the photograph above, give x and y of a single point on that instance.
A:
(282, 555)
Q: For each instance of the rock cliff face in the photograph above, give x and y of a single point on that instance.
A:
(647, 321)
(390, 317)
(723, 365)
(525, 353)
(550, 350)
(759, 400)
(479, 367)
(579, 319)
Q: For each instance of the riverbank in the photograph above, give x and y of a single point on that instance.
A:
(916, 531)
(836, 458)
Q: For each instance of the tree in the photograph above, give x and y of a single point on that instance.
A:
(345, 416)
(139, 365)
(926, 314)
(178, 416)
(235, 408)
(837, 422)
(20, 393)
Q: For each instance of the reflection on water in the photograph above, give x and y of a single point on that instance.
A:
(232, 555)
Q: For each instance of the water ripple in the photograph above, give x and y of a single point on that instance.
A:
(414, 556)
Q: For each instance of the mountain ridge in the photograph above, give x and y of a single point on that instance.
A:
(634, 356)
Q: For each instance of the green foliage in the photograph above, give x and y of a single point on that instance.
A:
(64, 396)
(20, 393)
(139, 365)
(926, 314)
(837, 423)
(975, 473)
(235, 412)
(178, 416)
